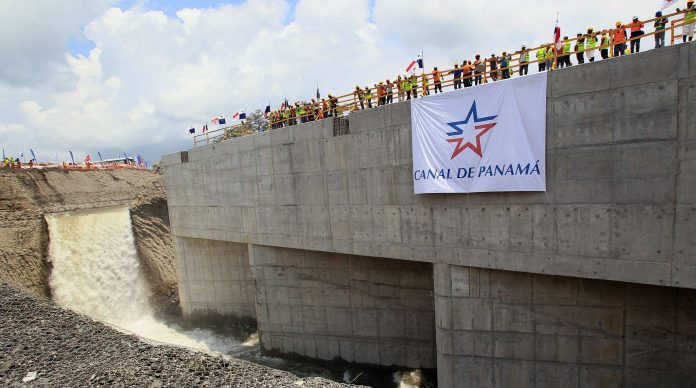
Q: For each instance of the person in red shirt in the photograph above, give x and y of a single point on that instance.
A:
(636, 27)
(619, 38)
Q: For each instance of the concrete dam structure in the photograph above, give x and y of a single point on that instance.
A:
(317, 236)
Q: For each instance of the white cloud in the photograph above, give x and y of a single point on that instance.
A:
(150, 75)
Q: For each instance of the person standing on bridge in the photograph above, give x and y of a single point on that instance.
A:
(660, 25)
(564, 59)
(690, 18)
(524, 60)
(604, 44)
(619, 38)
(467, 71)
(636, 27)
(493, 66)
(580, 48)
(591, 44)
(390, 92)
(479, 69)
(437, 80)
(541, 58)
(457, 73)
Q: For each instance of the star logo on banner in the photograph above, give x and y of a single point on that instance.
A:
(468, 137)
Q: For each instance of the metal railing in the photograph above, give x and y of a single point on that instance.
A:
(423, 84)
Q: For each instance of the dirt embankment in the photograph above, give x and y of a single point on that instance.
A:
(27, 195)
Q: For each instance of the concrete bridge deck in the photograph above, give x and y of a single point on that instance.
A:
(322, 241)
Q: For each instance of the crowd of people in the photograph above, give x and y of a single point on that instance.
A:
(609, 42)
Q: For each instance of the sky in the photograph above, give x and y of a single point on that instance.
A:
(133, 76)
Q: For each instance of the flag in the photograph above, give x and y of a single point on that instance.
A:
(100, 157)
(71, 157)
(192, 130)
(205, 128)
(242, 115)
(282, 106)
(21, 154)
(267, 110)
(235, 116)
(416, 62)
(318, 94)
(668, 3)
(33, 155)
(557, 37)
(87, 159)
(218, 120)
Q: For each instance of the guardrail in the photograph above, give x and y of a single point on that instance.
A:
(424, 83)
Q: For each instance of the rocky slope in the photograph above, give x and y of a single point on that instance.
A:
(42, 345)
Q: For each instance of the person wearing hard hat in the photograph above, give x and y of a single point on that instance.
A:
(619, 38)
(689, 20)
(660, 25)
(591, 44)
(636, 27)
(524, 60)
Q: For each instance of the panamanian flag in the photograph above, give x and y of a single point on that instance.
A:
(416, 62)
(218, 120)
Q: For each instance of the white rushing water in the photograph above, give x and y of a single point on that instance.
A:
(96, 272)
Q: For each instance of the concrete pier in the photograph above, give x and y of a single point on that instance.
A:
(588, 284)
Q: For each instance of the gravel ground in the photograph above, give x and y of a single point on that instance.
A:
(60, 348)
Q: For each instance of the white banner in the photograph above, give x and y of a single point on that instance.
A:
(480, 139)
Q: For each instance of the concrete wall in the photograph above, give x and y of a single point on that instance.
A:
(620, 205)
(215, 281)
(508, 329)
(354, 308)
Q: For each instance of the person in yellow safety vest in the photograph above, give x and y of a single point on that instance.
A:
(564, 60)
(690, 20)
(408, 87)
(359, 96)
(414, 86)
(368, 96)
(541, 58)
(591, 44)
(604, 45)
(524, 60)
(580, 49)
(550, 52)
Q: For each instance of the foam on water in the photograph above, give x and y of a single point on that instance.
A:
(96, 272)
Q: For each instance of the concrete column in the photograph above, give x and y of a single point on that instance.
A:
(215, 282)
(503, 329)
(343, 307)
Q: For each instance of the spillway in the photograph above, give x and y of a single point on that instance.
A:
(96, 272)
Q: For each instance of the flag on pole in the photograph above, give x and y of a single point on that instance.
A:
(418, 62)
(267, 110)
(668, 3)
(218, 120)
(33, 155)
(235, 116)
(192, 130)
(72, 157)
(100, 157)
(318, 94)
(205, 128)
(557, 36)
(87, 159)
(242, 115)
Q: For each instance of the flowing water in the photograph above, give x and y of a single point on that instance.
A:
(96, 272)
